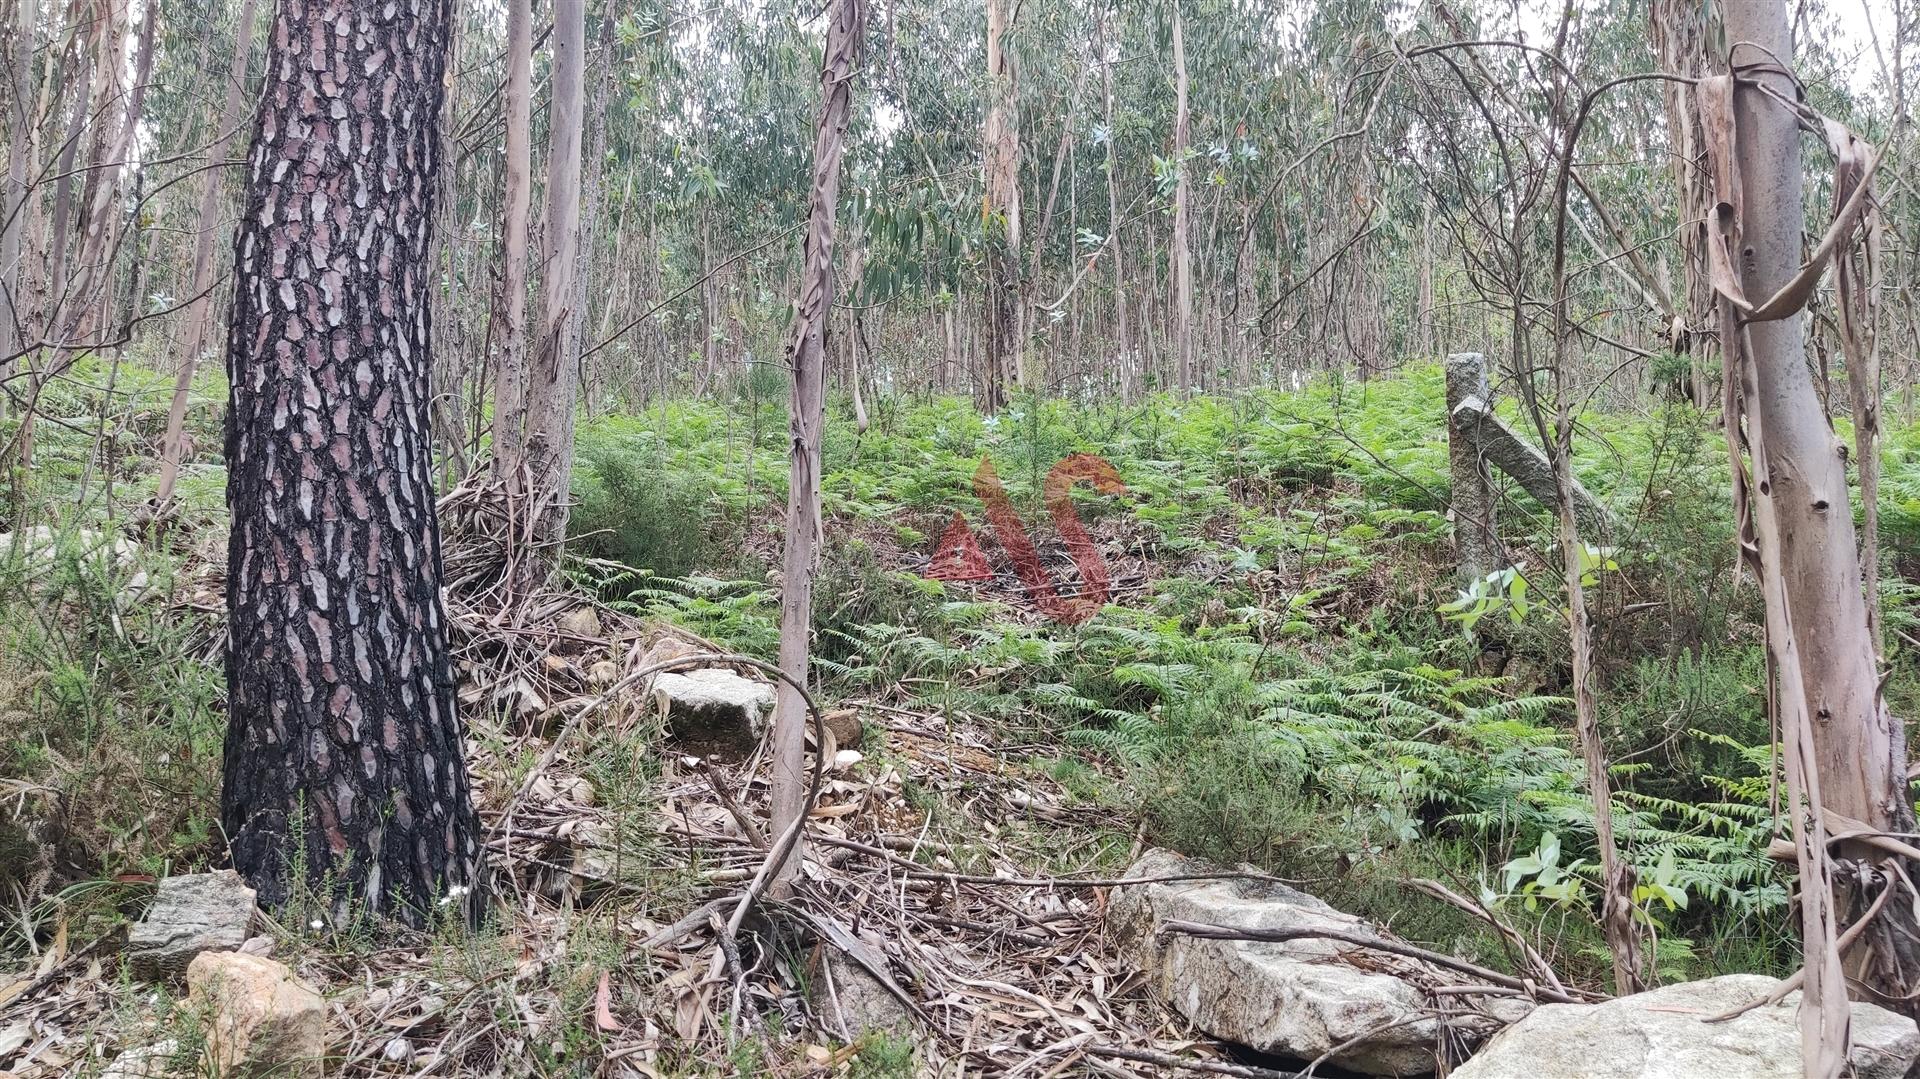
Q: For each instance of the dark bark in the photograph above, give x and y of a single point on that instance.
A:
(344, 753)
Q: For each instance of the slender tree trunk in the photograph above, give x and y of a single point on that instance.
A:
(1679, 32)
(554, 381)
(510, 376)
(59, 288)
(1182, 266)
(1130, 380)
(200, 312)
(344, 751)
(593, 173)
(1424, 317)
(951, 356)
(1006, 310)
(105, 220)
(13, 330)
(806, 355)
(81, 96)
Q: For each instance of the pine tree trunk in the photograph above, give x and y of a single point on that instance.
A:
(344, 753)
(200, 311)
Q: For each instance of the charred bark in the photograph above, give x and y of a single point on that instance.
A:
(344, 752)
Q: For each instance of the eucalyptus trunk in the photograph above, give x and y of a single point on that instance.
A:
(1680, 40)
(15, 197)
(104, 221)
(510, 376)
(200, 308)
(806, 355)
(1006, 312)
(1182, 257)
(554, 377)
(1846, 750)
(1130, 378)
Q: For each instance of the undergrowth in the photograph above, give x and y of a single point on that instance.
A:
(1281, 687)
(1272, 679)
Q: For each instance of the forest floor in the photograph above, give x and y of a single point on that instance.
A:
(1272, 679)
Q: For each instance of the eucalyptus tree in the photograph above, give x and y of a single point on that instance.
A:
(1845, 749)
(1679, 31)
(199, 314)
(1000, 152)
(553, 376)
(806, 354)
(14, 197)
(510, 374)
(1180, 255)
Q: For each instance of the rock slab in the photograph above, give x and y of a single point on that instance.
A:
(1297, 998)
(191, 914)
(714, 706)
(1659, 1034)
(148, 1062)
(262, 1020)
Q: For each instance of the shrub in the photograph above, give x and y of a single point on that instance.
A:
(636, 508)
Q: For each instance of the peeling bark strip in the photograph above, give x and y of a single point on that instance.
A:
(342, 734)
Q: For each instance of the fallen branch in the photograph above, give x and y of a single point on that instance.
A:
(918, 871)
(1538, 962)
